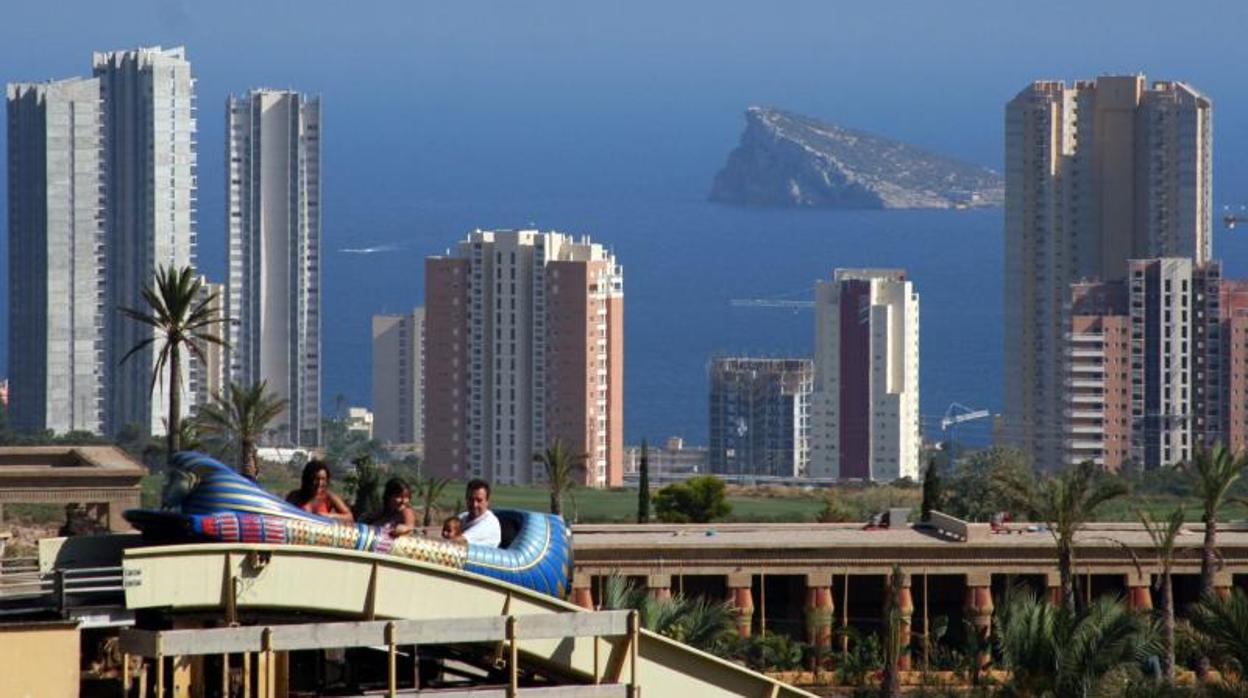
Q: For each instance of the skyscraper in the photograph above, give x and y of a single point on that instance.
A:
(865, 407)
(1096, 174)
(149, 163)
(1155, 369)
(759, 416)
(398, 377)
(56, 260)
(273, 253)
(523, 345)
(208, 374)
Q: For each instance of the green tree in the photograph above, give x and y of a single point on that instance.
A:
(643, 484)
(1221, 631)
(182, 318)
(1213, 473)
(972, 492)
(1164, 535)
(894, 643)
(344, 446)
(1060, 652)
(932, 491)
(697, 622)
(238, 420)
(1066, 503)
(696, 500)
(365, 483)
(429, 489)
(562, 469)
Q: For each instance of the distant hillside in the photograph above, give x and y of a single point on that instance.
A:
(788, 160)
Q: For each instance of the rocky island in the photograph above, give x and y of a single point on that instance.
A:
(785, 159)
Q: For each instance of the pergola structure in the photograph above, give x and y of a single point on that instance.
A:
(104, 478)
(808, 578)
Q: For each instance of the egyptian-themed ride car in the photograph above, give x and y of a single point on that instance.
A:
(205, 500)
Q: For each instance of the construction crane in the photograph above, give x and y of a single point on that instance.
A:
(956, 414)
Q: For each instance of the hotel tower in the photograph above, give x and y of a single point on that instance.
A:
(524, 344)
(1097, 173)
(864, 421)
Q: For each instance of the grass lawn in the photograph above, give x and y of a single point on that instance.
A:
(753, 505)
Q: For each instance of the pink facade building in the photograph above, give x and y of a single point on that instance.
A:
(1155, 365)
(524, 345)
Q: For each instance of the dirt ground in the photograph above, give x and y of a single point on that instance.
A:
(26, 535)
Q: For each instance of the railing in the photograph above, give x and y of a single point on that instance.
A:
(24, 588)
(161, 645)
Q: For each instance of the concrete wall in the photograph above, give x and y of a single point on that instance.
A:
(39, 659)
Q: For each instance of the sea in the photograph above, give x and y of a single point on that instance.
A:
(685, 259)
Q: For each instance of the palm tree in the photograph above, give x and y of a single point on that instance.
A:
(188, 436)
(1066, 503)
(182, 317)
(430, 489)
(894, 643)
(1221, 629)
(1058, 651)
(697, 622)
(561, 470)
(1213, 472)
(1164, 535)
(240, 418)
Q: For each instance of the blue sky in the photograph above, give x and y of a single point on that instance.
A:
(431, 101)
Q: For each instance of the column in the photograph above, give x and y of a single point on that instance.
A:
(583, 590)
(905, 609)
(1139, 593)
(188, 671)
(281, 674)
(741, 596)
(820, 608)
(1222, 583)
(1053, 587)
(979, 610)
(659, 586)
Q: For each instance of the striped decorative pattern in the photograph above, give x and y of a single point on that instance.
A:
(217, 504)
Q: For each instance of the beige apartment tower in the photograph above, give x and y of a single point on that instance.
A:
(524, 344)
(864, 411)
(1097, 173)
(398, 377)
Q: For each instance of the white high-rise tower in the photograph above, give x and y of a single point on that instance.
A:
(149, 162)
(274, 296)
(56, 262)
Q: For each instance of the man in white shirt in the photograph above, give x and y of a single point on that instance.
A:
(480, 524)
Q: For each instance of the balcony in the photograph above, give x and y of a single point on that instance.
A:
(1085, 383)
(1086, 414)
(1083, 369)
(1084, 445)
(1088, 429)
(1087, 399)
(1087, 353)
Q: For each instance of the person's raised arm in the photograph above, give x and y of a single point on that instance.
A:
(340, 510)
(406, 525)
